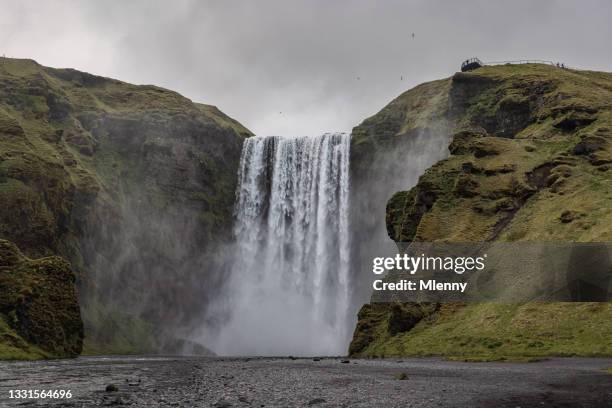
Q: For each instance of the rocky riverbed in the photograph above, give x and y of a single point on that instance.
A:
(303, 382)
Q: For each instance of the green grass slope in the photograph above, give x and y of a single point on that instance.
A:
(531, 160)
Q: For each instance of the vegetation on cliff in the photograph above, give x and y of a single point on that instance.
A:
(39, 309)
(530, 160)
(95, 170)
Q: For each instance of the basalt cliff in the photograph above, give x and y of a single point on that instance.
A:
(529, 159)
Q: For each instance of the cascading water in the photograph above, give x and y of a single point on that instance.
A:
(289, 289)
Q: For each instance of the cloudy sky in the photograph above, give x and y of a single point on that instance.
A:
(300, 67)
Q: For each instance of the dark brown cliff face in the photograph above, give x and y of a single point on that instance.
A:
(530, 148)
(134, 185)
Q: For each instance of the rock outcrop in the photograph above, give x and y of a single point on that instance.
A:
(530, 153)
(39, 309)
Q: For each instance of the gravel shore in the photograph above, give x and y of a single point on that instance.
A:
(309, 382)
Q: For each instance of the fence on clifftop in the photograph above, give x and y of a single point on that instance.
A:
(473, 63)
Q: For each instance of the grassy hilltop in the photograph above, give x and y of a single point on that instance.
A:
(94, 170)
(530, 160)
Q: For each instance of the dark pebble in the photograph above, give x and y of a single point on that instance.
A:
(111, 388)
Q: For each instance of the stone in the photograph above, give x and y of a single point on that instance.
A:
(111, 388)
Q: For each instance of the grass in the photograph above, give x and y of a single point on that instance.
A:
(505, 122)
(537, 142)
(13, 347)
(516, 332)
(111, 331)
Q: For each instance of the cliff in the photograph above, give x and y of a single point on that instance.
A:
(95, 170)
(529, 159)
(39, 305)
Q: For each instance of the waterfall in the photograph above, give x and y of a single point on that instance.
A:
(289, 289)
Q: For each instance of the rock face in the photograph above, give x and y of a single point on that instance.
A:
(95, 170)
(39, 306)
(530, 153)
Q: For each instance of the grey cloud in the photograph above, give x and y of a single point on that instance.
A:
(326, 65)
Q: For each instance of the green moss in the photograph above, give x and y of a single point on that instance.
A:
(509, 146)
(14, 347)
(38, 307)
(493, 331)
(529, 144)
(76, 148)
(112, 331)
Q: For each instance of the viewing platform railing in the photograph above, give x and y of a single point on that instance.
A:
(554, 64)
(520, 62)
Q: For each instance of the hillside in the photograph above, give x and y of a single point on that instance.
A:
(530, 160)
(94, 170)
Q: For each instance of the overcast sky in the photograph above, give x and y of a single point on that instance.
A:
(300, 67)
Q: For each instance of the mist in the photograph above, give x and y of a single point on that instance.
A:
(289, 287)
(400, 164)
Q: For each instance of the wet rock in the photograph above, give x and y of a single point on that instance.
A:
(569, 216)
(402, 318)
(316, 401)
(111, 388)
(345, 361)
(466, 186)
(589, 144)
(222, 404)
(539, 177)
(574, 120)
(468, 167)
(118, 401)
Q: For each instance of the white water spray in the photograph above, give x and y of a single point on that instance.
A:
(289, 286)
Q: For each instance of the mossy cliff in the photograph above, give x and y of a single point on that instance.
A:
(95, 170)
(530, 159)
(39, 309)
